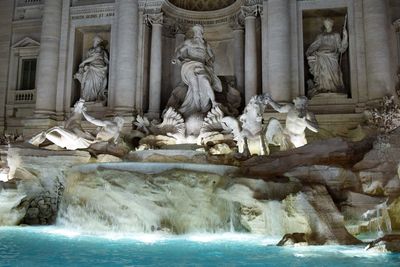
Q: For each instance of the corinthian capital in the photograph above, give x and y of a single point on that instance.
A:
(152, 19)
(251, 11)
(237, 22)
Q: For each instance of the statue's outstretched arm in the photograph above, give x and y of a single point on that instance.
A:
(93, 120)
(278, 107)
(312, 123)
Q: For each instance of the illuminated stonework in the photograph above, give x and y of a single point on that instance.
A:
(202, 5)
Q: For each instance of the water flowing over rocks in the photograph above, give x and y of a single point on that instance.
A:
(388, 243)
(321, 190)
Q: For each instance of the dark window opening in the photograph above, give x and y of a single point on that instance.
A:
(28, 74)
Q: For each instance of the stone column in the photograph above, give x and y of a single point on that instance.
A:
(47, 69)
(6, 18)
(179, 39)
(156, 20)
(250, 58)
(376, 25)
(264, 46)
(397, 28)
(127, 40)
(238, 36)
(279, 52)
(63, 61)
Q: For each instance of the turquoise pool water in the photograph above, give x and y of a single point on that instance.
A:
(52, 246)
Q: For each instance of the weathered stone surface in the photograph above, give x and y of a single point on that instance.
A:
(326, 222)
(378, 170)
(388, 243)
(394, 214)
(334, 152)
(295, 239)
(356, 205)
(337, 180)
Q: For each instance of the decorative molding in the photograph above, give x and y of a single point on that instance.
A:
(26, 42)
(152, 19)
(209, 18)
(93, 12)
(202, 5)
(251, 11)
(150, 6)
(237, 22)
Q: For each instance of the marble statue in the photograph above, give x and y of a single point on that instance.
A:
(71, 136)
(252, 128)
(93, 72)
(323, 57)
(198, 74)
(298, 119)
(108, 130)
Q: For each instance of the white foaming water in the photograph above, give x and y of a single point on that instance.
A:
(9, 213)
(176, 201)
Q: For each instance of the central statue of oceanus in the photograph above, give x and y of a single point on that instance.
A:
(198, 74)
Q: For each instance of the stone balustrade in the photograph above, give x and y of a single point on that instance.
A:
(24, 96)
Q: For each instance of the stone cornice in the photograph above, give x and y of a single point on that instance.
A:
(92, 11)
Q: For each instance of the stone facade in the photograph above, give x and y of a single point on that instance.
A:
(260, 44)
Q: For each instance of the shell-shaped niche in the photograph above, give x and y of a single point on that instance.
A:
(202, 5)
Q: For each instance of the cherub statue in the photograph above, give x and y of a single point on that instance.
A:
(298, 119)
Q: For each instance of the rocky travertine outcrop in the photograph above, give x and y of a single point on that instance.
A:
(378, 170)
(36, 180)
(388, 243)
(294, 239)
(331, 152)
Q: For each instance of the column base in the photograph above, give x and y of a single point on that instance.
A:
(153, 115)
(35, 125)
(44, 114)
(124, 111)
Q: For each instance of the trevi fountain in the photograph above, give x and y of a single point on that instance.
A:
(200, 133)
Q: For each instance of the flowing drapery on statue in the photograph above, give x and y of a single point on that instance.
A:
(323, 58)
(93, 72)
(198, 74)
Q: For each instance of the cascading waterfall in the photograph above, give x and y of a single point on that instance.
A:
(175, 201)
(383, 215)
(273, 214)
(9, 212)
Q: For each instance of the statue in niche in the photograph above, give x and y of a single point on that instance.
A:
(198, 74)
(298, 119)
(93, 72)
(323, 57)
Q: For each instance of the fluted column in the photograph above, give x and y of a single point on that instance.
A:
(397, 27)
(279, 55)
(250, 64)
(156, 21)
(264, 46)
(127, 40)
(47, 70)
(376, 27)
(179, 40)
(238, 36)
